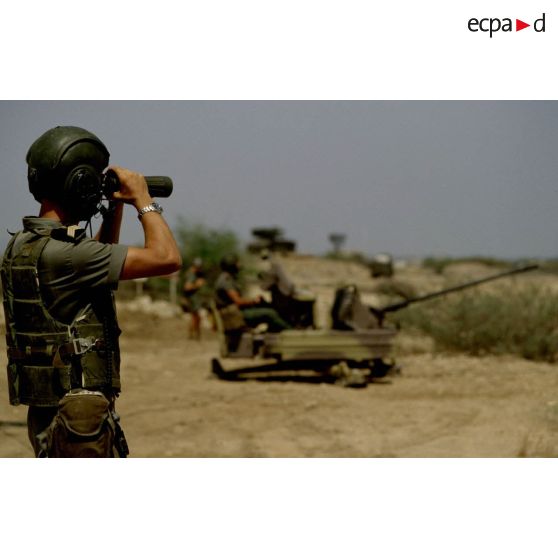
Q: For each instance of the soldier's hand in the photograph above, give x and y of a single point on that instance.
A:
(133, 188)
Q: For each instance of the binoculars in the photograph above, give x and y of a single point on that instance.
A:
(158, 186)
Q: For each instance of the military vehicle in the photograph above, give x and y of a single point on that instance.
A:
(271, 239)
(381, 265)
(354, 352)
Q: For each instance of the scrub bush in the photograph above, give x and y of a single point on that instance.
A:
(522, 320)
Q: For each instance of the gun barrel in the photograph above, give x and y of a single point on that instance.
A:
(405, 303)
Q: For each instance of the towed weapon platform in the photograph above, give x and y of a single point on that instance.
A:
(355, 352)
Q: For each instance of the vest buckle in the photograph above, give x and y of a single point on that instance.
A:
(82, 345)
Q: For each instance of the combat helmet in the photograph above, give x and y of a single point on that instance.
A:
(230, 263)
(65, 165)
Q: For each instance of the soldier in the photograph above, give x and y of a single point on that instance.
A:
(294, 305)
(62, 332)
(254, 310)
(192, 299)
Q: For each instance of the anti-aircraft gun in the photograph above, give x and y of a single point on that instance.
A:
(355, 351)
(348, 312)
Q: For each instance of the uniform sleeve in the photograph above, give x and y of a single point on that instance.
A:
(226, 283)
(96, 264)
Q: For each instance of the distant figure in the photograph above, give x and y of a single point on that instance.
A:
(192, 301)
(255, 311)
(274, 276)
(293, 305)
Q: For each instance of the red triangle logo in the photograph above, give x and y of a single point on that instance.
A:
(519, 25)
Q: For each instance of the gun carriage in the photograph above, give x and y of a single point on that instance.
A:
(354, 352)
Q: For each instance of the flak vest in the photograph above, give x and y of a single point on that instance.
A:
(46, 357)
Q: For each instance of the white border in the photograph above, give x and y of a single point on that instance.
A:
(254, 49)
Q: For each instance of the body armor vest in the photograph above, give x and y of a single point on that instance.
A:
(46, 357)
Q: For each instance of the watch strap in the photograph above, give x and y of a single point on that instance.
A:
(154, 206)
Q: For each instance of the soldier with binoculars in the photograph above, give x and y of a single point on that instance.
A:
(61, 325)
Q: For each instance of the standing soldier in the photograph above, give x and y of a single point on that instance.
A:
(62, 331)
(192, 299)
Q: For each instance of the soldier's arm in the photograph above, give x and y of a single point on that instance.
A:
(242, 302)
(160, 254)
(109, 232)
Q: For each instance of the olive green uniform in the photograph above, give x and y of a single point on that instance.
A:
(253, 315)
(193, 297)
(69, 302)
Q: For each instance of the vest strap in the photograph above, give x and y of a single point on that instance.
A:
(77, 346)
(80, 346)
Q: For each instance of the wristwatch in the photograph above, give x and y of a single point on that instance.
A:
(153, 206)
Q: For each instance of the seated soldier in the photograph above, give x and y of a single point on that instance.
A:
(255, 311)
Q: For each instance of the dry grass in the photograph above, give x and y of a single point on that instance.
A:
(522, 320)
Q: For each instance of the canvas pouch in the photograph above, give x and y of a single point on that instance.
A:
(83, 427)
(232, 318)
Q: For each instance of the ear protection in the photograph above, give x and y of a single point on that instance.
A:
(83, 182)
(82, 190)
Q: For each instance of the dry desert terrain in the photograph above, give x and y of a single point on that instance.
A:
(441, 405)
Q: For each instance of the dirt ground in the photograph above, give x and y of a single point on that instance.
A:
(439, 406)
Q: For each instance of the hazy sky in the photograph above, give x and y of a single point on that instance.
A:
(406, 177)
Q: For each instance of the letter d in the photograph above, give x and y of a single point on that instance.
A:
(536, 24)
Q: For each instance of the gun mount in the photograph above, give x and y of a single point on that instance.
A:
(356, 350)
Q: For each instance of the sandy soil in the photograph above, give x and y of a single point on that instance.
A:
(440, 405)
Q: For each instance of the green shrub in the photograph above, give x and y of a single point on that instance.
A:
(199, 241)
(438, 265)
(350, 257)
(521, 321)
(195, 240)
(549, 266)
(395, 287)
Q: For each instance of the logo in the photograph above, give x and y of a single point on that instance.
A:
(493, 25)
